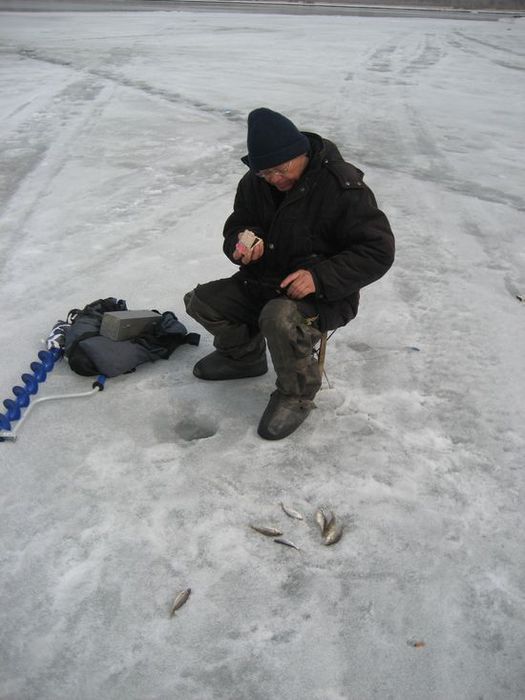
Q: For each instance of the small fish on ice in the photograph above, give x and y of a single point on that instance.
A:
(287, 543)
(324, 519)
(179, 601)
(268, 531)
(291, 513)
(331, 532)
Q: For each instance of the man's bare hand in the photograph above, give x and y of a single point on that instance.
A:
(299, 284)
(246, 255)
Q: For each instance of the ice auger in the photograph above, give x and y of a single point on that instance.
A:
(18, 409)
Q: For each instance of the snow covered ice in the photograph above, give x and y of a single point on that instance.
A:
(120, 146)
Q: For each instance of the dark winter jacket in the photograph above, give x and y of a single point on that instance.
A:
(329, 224)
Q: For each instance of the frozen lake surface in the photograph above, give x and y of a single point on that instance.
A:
(119, 152)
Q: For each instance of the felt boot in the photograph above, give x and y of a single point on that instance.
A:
(283, 415)
(216, 366)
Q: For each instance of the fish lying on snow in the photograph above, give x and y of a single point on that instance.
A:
(291, 513)
(268, 531)
(331, 532)
(179, 601)
(320, 519)
(288, 543)
(324, 519)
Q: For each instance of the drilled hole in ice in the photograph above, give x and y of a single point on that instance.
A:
(195, 429)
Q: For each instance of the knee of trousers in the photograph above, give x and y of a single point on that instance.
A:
(199, 309)
(188, 299)
(279, 315)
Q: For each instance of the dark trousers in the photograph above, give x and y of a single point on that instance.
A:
(242, 323)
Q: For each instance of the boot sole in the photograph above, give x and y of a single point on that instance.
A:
(246, 375)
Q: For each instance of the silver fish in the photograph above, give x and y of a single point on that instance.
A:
(288, 543)
(268, 531)
(329, 521)
(291, 513)
(333, 534)
(324, 518)
(179, 601)
(320, 519)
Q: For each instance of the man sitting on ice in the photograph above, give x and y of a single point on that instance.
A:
(307, 235)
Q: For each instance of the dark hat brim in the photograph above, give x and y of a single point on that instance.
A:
(270, 160)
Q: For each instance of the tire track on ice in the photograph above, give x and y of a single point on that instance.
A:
(142, 86)
(405, 142)
(33, 155)
(469, 45)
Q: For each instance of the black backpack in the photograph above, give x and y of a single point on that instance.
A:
(90, 353)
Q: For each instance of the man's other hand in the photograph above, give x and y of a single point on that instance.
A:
(299, 284)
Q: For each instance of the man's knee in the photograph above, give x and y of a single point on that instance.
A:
(198, 295)
(188, 298)
(279, 315)
(191, 302)
(197, 305)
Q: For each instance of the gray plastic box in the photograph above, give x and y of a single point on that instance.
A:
(122, 325)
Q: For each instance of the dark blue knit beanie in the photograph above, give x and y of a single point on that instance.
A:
(272, 139)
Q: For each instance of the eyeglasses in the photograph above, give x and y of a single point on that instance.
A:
(269, 172)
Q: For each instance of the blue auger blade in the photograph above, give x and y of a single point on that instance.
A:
(31, 383)
(4, 423)
(47, 360)
(22, 396)
(39, 371)
(13, 410)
